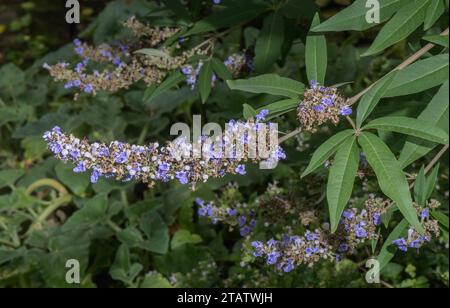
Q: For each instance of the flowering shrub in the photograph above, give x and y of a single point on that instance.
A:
(332, 147)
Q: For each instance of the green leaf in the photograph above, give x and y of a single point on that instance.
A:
(155, 281)
(248, 112)
(220, 69)
(77, 182)
(296, 9)
(441, 217)
(410, 126)
(441, 40)
(341, 180)
(174, 79)
(122, 269)
(431, 182)
(371, 99)
(151, 52)
(269, 42)
(354, 17)
(280, 107)
(436, 112)
(238, 12)
(178, 8)
(270, 84)
(9, 177)
(385, 255)
(419, 187)
(130, 236)
(316, 55)
(327, 149)
(420, 76)
(390, 176)
(93, 212)
(405, 21)
(205, 80)
(434, 11)
(156, 231)
(183, 237)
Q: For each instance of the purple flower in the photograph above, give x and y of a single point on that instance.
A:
(80, 168)
(343, 248)
(361, 232)
(377, 219)
(240, 170)
(121, 158)
(346, 111)
(319, 108)
(242, 220)
(348, 214)
(94, 176)
(88, 88)
(425, 213)
(289, 267)
(313, 84)
(262, 115)
(231, 212)
(401, 244)
(273, 257)
(182, 176)
(244, 231)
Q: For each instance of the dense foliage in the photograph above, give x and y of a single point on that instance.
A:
(87, 164)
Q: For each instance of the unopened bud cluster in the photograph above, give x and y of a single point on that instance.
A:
(414, 240)
(321, 105)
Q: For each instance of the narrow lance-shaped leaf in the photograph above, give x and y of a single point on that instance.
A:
(441, 40)
(434, 11)
(270, 84)
(280, 107)
(404, 22)
(371, 99)
(205, 80)
(410, 126)
(237, 12)
(355, 16)
(248, 111)
(431, 182)
(316, 55)
(385, 255)
(269, 42)
(178, 8)
(420, 76)
(390, 176)
(174, 79)
(341, 180)
(419, 187)
(436, 112)
(220, 69)
(441, 218)
(327, 149)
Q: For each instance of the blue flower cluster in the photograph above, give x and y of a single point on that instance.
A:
(242, 218)
(151, 163)
(321, 104)
(414, 240)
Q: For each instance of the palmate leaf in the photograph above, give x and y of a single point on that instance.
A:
(327, 149)
(269, 84)
(436, 112)
(316, 55)
(420, 76)
(269, 42)
(390, 176)
(342, 179)
(405, 21)
(354, 16)
(371, 99)
(410, 126)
